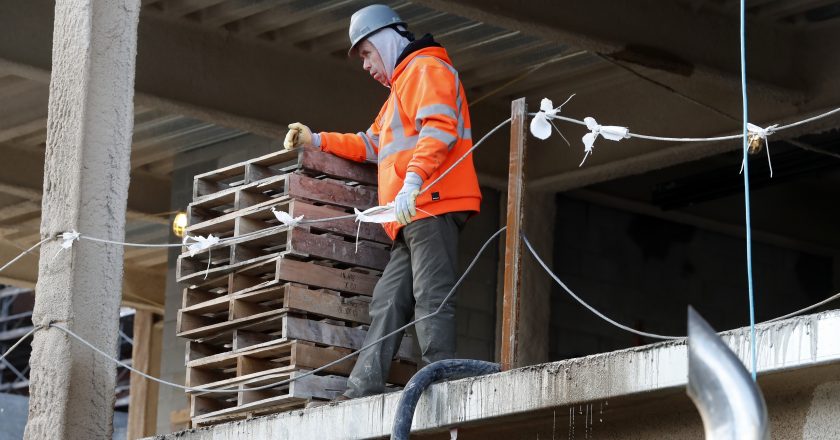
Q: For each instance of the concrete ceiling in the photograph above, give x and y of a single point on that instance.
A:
(213, 70)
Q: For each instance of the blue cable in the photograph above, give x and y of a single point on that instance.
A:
(747, 190)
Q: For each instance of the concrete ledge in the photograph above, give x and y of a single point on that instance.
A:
(792, 344)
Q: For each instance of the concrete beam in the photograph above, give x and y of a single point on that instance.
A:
(786, 240)
(668, 156)
(22, 175)
(216, 73)
(141, 288)
(496, 401)
(667, 36)
(252, 79)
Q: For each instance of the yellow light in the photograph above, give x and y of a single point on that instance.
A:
(179, 224)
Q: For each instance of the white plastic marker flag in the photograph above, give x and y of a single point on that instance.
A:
(68, 238)
(377, 214)
(611, 132)
(540, 127)
(200, 243)
(286, 219)
(541, 123)
(762, 133)
(381, 214)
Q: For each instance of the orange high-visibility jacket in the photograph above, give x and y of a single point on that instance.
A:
(423, 127)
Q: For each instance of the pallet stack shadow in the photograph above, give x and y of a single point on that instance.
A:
(271, 303)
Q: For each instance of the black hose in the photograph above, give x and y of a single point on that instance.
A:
(449, 369)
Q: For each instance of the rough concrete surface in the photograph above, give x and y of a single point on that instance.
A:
(85, 189)
(637, 393)
(821, 421)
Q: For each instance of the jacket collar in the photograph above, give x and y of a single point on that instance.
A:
(415, 45)
(419, 48)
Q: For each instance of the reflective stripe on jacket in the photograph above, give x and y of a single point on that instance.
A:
(423, 127)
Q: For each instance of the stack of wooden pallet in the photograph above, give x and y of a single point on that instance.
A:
(270, 302)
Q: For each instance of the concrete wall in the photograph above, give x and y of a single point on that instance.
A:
(802, 409)
(643, 272)
(476, 298)
(637, 393)
(807, 412)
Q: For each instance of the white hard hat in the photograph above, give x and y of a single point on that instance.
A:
(370, 19)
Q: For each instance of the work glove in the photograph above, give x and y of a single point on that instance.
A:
(404, 203)
(298, 135)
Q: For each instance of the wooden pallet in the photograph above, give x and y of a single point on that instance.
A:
(296, 242)
(233, 368)
(323, 190)
(217, 314)
(271, 303)
(300, 299)
(219, 407)
(259, 217)
(274, 327)
(292, 405)
(309, 160)
(274, 269)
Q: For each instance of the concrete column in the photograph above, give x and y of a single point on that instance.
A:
(86, 180)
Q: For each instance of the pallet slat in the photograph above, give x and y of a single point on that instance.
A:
(231, 369)
(254, 304)
(278, 325)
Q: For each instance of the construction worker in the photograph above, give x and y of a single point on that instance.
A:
(421, 130)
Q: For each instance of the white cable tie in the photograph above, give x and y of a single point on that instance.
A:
(285, 218)
(541, 123)
(358, 231)
(209, 262)
(68, 238)
(755, 130)
(761, 132)
(200, 243)
(610, 132)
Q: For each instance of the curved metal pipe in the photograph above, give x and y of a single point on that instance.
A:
(449, 369)
(730, 403)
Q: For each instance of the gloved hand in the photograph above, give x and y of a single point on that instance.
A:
(298, 135)
(404, 203)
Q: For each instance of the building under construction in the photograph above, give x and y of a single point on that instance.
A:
(162, 122)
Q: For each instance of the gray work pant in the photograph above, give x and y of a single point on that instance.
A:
(422, 270)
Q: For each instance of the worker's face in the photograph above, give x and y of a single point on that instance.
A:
(372, 62)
